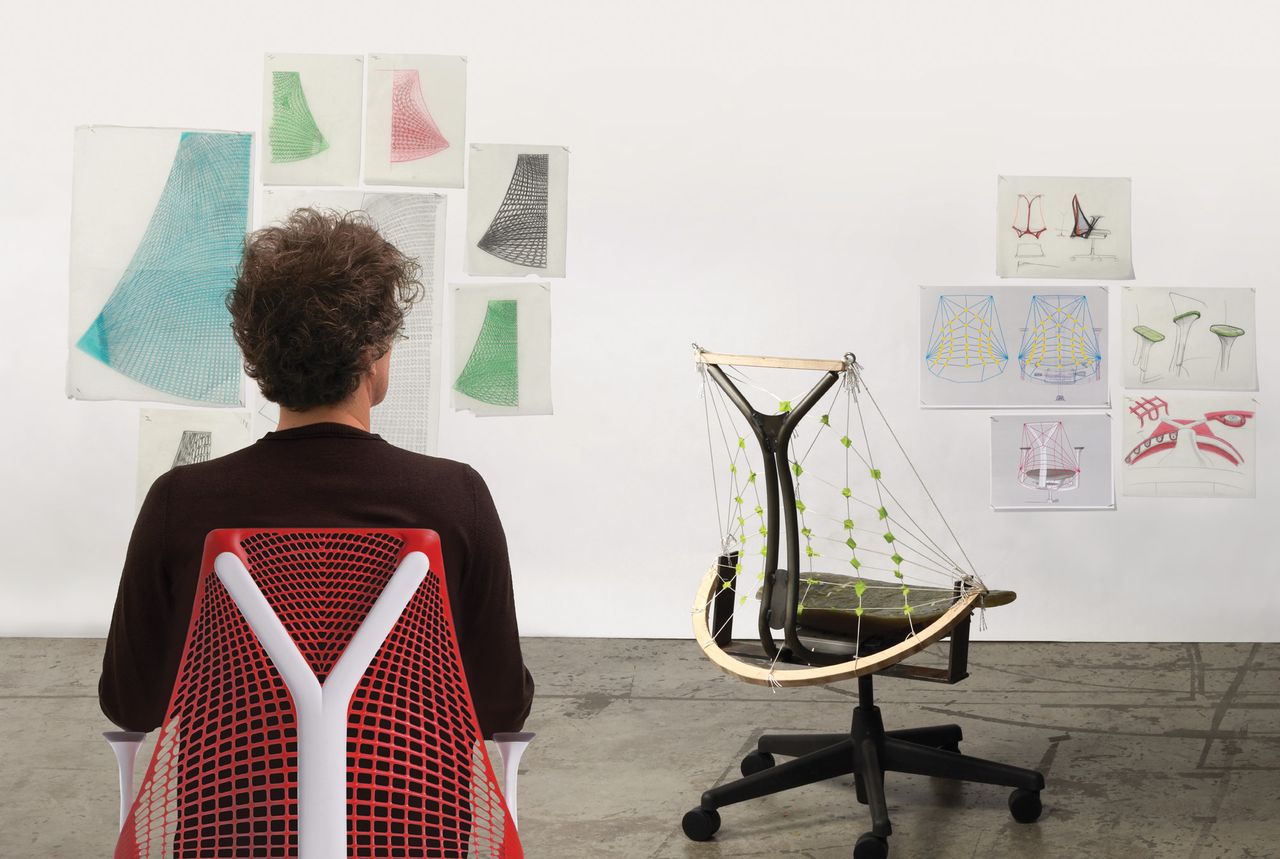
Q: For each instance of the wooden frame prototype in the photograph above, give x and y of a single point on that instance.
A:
(819, 675)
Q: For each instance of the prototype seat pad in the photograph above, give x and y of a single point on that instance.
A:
(829, 603)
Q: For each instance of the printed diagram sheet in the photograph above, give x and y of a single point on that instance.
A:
(1010, 346)
(415, 120)
(1201, 338)
(1051, 462)
(1189, 445)
(409, 417)
(1069, 227)
(311, 119)
(158, 223)
(517, 210)
(502, 348)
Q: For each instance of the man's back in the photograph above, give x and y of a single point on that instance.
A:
(314, 476)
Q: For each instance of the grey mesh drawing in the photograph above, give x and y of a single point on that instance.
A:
(492, 374)
(294, 135)
(518, 231)
(409, 221)
(165, 324)
(194, 446)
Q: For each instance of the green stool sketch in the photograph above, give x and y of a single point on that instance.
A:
(1147, 337)
(1185, 321)
(1227, 335)
(492, 374)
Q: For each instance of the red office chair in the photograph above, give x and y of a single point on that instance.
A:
(320, 711)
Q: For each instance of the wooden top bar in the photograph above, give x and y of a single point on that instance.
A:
(777, 363)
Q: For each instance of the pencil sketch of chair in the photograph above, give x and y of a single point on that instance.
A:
(1048, 461)
(320, 710)
(833, 626)
(1085, 227)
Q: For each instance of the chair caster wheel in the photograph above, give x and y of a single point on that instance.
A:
(871, 846)
(700, 824)
(1025, 806)
(757, 761)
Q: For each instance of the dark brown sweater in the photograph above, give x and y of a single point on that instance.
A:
(317, 476)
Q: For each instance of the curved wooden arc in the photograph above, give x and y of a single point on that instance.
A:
(814, 676)
(705, 357)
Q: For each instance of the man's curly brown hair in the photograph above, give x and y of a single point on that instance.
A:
(317, 300)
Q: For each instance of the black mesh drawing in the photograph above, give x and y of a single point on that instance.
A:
(195, 446)
(518, 232)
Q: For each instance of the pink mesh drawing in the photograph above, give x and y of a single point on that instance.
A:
(414, 134)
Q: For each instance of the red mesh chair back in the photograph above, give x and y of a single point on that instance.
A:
(224, 777)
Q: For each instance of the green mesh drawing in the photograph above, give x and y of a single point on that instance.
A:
(492, 372)
(165, 324)
(294, 135)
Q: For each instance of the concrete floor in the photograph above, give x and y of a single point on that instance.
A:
(1150, 750)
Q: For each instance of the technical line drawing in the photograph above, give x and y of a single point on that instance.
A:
(1059, 346)
(166, 324)
(1028, 216)
(194, 446)
(1147, 338)
(1048, 461)
(1031, 254)
(1186, 453)
(414, 133)
(492, 373)
(294, 135)
(518, 231)
(966, 344)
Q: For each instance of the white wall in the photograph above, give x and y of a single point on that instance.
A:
(758, 176)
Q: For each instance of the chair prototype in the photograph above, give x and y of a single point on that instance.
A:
(833, 626)
(320, 711)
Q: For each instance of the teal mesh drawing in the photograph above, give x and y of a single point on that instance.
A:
(492, 371)
(165, 324)
(294, 135)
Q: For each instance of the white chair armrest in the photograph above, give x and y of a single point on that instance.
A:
(125, 746)
(510, 747)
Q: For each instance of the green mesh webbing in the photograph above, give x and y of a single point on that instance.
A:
(492, 372)
(294, 135)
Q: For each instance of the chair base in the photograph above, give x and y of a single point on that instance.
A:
(867, 751)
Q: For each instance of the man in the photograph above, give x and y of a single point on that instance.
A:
(316, 308)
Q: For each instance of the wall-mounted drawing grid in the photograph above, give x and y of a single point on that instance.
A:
(1048, 461)
(1059, 343)
(293, 135)
(1189, 447)
(414, 133)
(492, 373)
(518, 231)
(165, 324)
(967, 344)
(1188, 338)
(1063, 227)
(194, 446)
